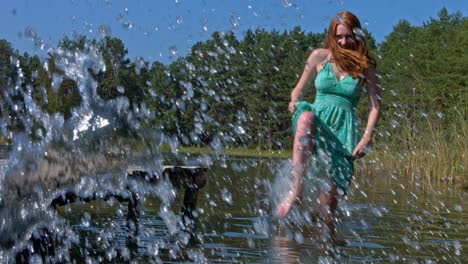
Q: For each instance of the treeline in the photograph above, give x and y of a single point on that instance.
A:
(235, 92)
(424, 73)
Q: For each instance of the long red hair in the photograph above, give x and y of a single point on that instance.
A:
(354, 60)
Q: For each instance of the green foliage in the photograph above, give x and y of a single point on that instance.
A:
(424, 75)
(8, 75)
(7, 68)
(235, 91)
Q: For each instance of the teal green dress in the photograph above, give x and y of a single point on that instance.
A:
(336, 128)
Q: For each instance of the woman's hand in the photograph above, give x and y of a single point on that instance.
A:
(291, 106)
(360, 149)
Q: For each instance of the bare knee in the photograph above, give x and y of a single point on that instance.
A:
(303, 139)
(305, 124)
(304, 132)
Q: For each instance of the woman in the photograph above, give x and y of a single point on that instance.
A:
(327, 129)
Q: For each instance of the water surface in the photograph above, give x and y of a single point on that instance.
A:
(385, 218)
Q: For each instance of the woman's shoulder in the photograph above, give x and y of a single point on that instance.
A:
(321, 53)
(319, 56)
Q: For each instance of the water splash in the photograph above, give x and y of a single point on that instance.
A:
(87, 154)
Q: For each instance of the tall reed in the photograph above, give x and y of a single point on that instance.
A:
(431, 156)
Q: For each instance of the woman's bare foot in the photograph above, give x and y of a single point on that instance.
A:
(285, 206)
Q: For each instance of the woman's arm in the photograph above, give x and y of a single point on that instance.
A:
(373, 93)
(316, 57)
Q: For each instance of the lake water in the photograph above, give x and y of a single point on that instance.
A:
(384, 219)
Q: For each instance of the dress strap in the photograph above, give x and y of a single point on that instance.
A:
(323, 66)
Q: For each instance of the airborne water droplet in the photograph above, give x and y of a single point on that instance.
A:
(226, 196)
(127, 25)
(181, 105)
(86, 219)
(104, 30)
(233, 19)
(173, 50)
(287, 3)
(121, 90)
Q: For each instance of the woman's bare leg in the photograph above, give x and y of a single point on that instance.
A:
(302, 149)
(328, 203)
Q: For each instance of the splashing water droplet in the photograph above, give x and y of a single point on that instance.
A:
(180, 105)
(127, 25)
(358, 32)
(188, 89)
(304, 140)
(394, 123)
(226, 196)
(216, 144)
(212, 203)
(458, 247)
(190, 66)
(173, 50)
(104, 30)
(287, 3)
(299, 237)
(121, 90)
(234, 21)
(377, 212)
(119, 17)
(86, 219)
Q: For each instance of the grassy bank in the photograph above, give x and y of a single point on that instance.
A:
(431, 157)
(237, 152)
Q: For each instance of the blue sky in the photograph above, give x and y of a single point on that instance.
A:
(164, 29)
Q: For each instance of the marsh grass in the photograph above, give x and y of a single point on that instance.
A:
(237, 152)
(430, 157)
